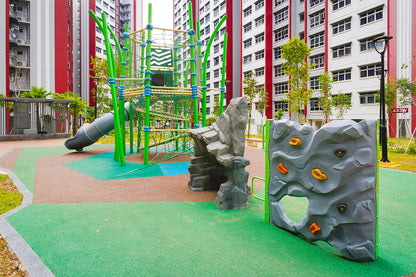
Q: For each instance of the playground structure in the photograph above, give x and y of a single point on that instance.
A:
(149, 86)
(167, 108)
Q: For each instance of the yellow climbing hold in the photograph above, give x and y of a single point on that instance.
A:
(318, 174)
(295, 141)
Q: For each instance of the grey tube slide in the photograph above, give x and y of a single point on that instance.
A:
(93, 132)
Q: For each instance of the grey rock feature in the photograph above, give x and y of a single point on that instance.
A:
(335, 168)
(218, 161)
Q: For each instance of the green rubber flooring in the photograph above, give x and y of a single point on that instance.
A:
(197, 239)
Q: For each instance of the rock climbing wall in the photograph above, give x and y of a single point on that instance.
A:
(335, 168)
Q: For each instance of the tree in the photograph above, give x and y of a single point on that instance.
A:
(216, 109)
(262, 103)
(251, 91)
(325, 98)
(279, 114)
(103, 96)
(341, 103)
(76, 108)
(39, 93)
(295, 53)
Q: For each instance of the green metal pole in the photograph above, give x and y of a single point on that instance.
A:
(204, 72)
(194, 84)
(224, 57)
(142, 67)
(267, 173)
(112, 72)
(121, 88)
(148, 89)
(131, 99)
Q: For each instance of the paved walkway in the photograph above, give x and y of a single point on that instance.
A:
(78, 225)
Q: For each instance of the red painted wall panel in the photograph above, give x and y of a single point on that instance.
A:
(92, 47)
(61, 47)
(268, 74)
(392, 55)
(229, 59)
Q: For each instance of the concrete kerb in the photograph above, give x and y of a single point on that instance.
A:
(30, 260)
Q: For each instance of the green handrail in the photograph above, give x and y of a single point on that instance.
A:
(204, 73)
(252, 187)
(224, 58)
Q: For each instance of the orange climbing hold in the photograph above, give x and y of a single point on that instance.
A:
(318, 174)
(314, 228)
(295, 141)
(282, 168)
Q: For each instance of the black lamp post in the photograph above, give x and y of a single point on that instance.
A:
(383, 129)
(95, 101)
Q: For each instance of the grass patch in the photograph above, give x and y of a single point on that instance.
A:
(395, 152)
(10, 198)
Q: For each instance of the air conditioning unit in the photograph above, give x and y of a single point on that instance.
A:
(20, 41)
(20, 18)
(21, 63)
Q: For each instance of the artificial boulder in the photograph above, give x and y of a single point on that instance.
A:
(219, 161)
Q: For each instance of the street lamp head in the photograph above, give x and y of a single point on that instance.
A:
(383, 40)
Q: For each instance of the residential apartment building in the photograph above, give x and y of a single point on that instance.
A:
(341, 34)
(50, 43)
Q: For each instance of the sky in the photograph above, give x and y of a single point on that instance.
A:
(162, 13)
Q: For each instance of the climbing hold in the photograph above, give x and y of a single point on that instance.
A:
(314, 228)
(282, 168)
(295, 141)
(342, 208)
(340, 152)
(318, 174)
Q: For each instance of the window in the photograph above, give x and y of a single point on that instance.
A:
(372, 15)
(247, 74)
(98, 49)
(259, 21)
(259, 55)
(370, 70)
(368, 44)
(280, 105)
(105, 5)
(247, 59)
(341, 51)
(208, 75)
(216, 11)
(98, 30)
(341, 26)
(247, 27)
(281, 88)
(208, 64)
(216, 22)
(222, 44)
(341, 75)
(281, 15)
(216, 84)
(317, 18)
(222, 31)
(337, 4)
(216, 73)
(278, 2)
(315, 104)
(222, 5)
(208, 108)
(259, 38)
(207, 18)
(279, 70)
(216, 48)
(98, 10)
(208, 99)
(259, 71)
(317, 40)
(259, 4)
(202, 32)
(217, 37)
(247, 11)
(98, 40)
(302, 35)
(247, 43)
(318, 60)
(315, 2)
(281, 33)
(368, 98)
(202, 21)
(277, 53)
(216, 61)
(314, 83)
(301, 17)
(207, 30)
